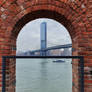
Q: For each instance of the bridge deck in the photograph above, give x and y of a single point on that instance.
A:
(54, 47)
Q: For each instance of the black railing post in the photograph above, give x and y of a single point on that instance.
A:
(82, 74)
(3, 74)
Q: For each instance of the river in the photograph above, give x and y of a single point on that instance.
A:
(43, 75)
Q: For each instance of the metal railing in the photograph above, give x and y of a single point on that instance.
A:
(81, 58)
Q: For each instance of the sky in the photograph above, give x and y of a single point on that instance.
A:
(29, 36)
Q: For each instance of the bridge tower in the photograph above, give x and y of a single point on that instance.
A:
(43, 35)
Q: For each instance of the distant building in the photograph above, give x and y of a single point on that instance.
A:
(66, 52)
(56, 52)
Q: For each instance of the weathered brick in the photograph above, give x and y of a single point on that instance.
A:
(75, 15)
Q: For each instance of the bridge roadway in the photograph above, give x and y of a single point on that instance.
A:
(53, 48)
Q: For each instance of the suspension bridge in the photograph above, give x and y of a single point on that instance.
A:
(43, 38)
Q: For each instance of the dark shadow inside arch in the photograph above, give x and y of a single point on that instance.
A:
(42, 14)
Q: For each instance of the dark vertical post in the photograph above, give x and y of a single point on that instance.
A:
(43, 38)
(82, 74)
(3, 74)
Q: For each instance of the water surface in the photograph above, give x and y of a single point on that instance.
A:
(42, 75)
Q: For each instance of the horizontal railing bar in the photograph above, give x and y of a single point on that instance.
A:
(67, 57)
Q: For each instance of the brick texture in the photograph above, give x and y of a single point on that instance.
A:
(75, 15)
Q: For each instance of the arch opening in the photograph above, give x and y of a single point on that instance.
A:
(57, 34)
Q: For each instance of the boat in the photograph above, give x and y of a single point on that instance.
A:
(57, 61)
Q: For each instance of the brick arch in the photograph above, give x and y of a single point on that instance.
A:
(65, 11)
(60, 12)
(73, 19)
(42, 14)
(75, 15)
(46, 13)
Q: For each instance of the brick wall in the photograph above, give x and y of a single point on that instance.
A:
(75, 15)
